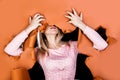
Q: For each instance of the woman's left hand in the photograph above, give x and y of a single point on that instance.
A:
(75, 19)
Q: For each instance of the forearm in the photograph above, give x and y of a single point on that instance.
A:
(98, 42)
(29, 29)
(13, 48)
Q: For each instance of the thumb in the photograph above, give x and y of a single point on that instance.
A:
(30, 19)
(81, 16)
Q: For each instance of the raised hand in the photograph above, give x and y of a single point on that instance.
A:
(34, 22)
(75, 19)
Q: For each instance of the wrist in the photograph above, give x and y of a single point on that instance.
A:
(28, 30)
(82, 26)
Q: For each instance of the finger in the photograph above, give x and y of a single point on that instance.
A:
(30, 19)
(36, 15)
(69, 13)
(40, 20)
(68, 16)
(75, 13)
(39, 24)
(40, 16)
(81, 16)
(70, 22)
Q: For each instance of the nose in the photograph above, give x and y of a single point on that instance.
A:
(52, 25)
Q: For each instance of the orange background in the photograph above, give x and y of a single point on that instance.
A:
(14, 16)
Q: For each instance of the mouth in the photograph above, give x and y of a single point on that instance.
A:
(52, 27)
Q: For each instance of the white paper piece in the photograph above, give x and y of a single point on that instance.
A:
(38, 39)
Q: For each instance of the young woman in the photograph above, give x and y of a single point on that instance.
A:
(57, 57)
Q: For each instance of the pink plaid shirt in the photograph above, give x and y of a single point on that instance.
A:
(60, 64)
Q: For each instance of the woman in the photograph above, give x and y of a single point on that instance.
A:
(57, 57)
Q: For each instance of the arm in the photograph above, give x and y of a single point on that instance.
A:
(13, 48)
(98, 42)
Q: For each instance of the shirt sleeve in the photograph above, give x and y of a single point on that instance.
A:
(13, 48)
(98, 42)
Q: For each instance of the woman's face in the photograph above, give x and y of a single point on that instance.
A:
(51, 30)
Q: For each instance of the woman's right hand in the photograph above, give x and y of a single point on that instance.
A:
(34, 22)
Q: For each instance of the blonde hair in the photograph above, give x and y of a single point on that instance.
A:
(44, 41)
